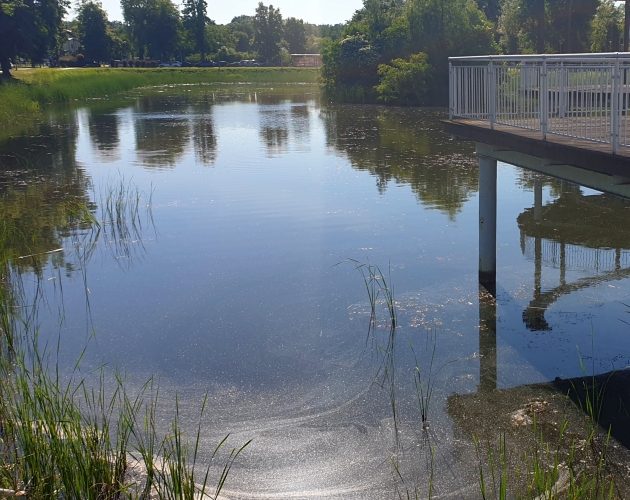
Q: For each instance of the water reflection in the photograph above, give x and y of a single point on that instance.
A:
(274, 129)
(573, 233)
(204, 140)
(161, 129)
(104, 133)
(43, 197)
(242, 298)
(405, 146)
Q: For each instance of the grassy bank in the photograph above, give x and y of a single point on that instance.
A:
(22, 100)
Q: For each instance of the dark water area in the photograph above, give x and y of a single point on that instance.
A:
(240, 280)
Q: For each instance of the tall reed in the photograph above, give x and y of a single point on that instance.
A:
(64, 436)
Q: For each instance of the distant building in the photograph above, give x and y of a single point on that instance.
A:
(306, 60)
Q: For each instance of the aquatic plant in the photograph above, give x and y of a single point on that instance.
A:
(66, 436)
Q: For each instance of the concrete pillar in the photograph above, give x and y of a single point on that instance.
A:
(488, 223)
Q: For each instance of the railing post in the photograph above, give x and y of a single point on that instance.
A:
(491, 86)
(615, 112)
(544, 100)
(451, 90)
(564, 84)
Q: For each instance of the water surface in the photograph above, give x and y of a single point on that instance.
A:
(241, 281)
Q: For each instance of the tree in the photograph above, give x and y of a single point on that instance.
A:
(547, 25)
(28, 28)
(166, 29)
(491, 8)
(93, 33)
(195, 20)
(607, 28)
(569, 25)
(154, 26)
(404, 81)
(268, 33)
(242, 28)
(626, 25)
(295, 35)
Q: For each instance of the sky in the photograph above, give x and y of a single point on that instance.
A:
(311, 11)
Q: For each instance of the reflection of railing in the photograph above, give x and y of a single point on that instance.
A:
(577, 258)
(582, 96)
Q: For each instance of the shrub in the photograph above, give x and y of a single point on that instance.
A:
(405, 81)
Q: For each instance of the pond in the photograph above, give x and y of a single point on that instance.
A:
(260, 215)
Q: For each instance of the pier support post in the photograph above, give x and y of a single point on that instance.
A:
(488, 223)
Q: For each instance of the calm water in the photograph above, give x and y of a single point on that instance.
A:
(241, 280)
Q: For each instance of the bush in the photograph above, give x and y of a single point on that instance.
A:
(405, 81)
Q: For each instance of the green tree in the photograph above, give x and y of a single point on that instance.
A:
(242, 29)
(195, 19)
(295, 35)
(404, 81)
(606, 32)
(121, 47)
(93, 32)
(28, 28)
(166, 30)
(569, 25)
(547, 25)
(392, 30)
(154, 26)
(491, 8)
(268, 33)
(626, 25)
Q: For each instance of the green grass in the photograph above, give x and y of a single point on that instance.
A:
(22, 100)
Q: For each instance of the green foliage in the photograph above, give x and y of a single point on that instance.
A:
(195, 19)
(154, 27)
(268, 33)
(404, 81)
(444, 28)
(607, 28)
(388, 30)
(93, 32)
(295, 35)
(242, 30)
(28, 28)
(220, 36)
(350, 69)
(546, 25)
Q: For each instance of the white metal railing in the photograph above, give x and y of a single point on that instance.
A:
(582, 96)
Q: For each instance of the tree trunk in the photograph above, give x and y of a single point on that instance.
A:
(626, 25)
(5, 65)
(539, 16)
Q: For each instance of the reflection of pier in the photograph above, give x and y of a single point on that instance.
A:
(567, 118)
(573, 233)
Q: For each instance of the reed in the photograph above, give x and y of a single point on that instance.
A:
(64, 436)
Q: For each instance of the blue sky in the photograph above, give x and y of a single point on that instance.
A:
(312, 11)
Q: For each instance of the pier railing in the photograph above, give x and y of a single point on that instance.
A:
(580, 96)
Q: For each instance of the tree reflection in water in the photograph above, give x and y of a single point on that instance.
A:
(403, 145)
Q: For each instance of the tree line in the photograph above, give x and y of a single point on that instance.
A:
(392, 51)
(396, 51)
(35, 30)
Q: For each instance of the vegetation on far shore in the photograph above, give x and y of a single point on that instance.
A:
(23, 99)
